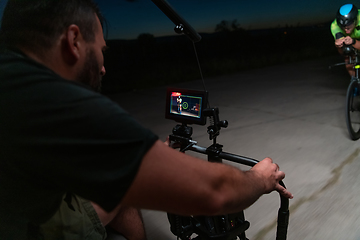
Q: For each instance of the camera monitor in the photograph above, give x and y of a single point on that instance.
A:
(186, 106)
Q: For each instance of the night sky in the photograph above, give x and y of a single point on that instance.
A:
(129, 18)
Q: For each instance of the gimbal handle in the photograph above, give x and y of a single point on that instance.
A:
(283, 213)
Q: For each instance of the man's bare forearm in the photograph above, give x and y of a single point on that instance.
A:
(175, 182)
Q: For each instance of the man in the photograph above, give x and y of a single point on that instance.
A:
(64, 145)
(346, 31)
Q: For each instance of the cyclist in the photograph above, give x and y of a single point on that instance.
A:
(346, 30)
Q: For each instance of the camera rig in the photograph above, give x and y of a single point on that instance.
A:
(191, 107)
(224, 227)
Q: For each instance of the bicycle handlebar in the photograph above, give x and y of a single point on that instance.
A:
(351, 52)
(348, 50)
(283, 213)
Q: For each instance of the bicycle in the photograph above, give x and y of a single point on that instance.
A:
(352, 110)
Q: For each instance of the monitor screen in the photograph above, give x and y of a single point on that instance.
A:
(186, 106)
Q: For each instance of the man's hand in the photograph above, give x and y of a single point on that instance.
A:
(339, 42)
(271, 175)
(348, 40)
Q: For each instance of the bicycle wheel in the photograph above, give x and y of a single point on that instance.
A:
(353, 110)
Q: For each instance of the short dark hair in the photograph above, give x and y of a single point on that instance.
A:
(36, 24)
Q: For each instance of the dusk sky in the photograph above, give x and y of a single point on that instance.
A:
(129, 18)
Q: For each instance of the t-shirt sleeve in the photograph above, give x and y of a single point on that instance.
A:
(78, 141)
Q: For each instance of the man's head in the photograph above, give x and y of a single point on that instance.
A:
(347, 17)
(75, 26)
(38, 23)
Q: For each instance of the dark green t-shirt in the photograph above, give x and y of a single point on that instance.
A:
(59, 136)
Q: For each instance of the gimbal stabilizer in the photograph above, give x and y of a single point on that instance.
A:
(225, 227)
(189, 107)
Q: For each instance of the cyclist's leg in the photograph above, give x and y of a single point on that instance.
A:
(350, 68)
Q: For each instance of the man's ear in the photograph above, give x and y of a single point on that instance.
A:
(74, 42)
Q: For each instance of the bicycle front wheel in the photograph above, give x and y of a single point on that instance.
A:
(353, 110)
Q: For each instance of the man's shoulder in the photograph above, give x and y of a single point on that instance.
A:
(17, 71)
(15, 64)
(27, 86)
(334, 27)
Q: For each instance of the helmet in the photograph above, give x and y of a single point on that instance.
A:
(346, 15)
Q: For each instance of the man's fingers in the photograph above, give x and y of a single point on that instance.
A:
(281, 175)
(283, 191)
(273, 175)
(271, 161)
(278, 167)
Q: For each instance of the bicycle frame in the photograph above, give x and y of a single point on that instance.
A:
(354, 59)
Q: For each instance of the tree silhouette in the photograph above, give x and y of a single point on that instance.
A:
(226, 26)
(146, 38)
(146, 43)
(235, 25)
(223, 26)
